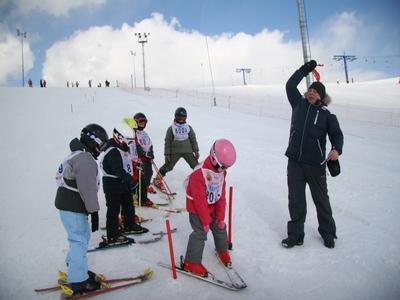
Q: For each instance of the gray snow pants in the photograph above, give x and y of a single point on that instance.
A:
(298, 175)
(197, 238)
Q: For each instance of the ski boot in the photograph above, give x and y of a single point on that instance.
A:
(196, 269)
(135, 229)
(225, 258)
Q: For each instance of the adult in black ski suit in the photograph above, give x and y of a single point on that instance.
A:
(311, 122)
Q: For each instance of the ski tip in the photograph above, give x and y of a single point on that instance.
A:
(148, 273)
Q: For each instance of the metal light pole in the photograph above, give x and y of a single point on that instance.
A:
(22, 34)
(243, 70)
(304, 36)
(142, 39)
(134, 67)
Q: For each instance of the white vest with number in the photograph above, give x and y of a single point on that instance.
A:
(180, 131)
(126, 162)
(214, 182)
(61, 170)
(143, 140)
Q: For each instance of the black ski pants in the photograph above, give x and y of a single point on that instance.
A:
(116, 203)
(298, 175)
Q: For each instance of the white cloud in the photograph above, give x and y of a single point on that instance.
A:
(54, 7)
(346, 33)
(11, 56)
(176, 57)
(173, 56)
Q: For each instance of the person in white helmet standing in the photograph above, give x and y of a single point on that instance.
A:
(119, 186)
(206, 203)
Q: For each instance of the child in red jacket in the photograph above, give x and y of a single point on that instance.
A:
(205, 202)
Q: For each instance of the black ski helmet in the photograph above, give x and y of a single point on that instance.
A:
(139, 118)
(93, 136)
(180, 112)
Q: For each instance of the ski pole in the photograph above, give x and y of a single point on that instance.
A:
(162, 180)
(230, 219)
(171, 249)
(140, 192)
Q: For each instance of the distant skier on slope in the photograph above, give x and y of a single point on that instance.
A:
(78, 182)
(206, 203)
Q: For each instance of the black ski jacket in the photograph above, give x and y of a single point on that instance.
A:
(310, 124)
(112, 164)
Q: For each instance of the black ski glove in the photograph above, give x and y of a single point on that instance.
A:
(308, 67)
(95, 221)
(150, 155)
(130, 184)
(140, 150)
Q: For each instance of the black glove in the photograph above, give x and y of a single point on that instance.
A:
(133, 186)
(333, 167)
(129, 183)
(308, 67)
(140, 150)
(95, 221)
(150, 154)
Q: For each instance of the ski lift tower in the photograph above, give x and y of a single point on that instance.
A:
(243, 70)
(142, 39)
(304, 36)
(345, 59)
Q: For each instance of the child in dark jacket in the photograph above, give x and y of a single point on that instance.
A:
(119, 186)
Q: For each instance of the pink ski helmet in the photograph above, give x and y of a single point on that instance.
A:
(223, 153)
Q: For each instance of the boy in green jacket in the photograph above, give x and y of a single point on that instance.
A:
(180, 141)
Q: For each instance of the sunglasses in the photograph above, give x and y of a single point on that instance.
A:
(218, 166)
(142, 120)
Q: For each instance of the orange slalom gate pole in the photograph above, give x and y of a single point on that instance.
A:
(230, 219)
(171, 249)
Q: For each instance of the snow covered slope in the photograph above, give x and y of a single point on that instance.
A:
(36, 127)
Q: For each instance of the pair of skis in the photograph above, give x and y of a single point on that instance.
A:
(174, 210)
(107, 285)
(235, 283)
(156, 236)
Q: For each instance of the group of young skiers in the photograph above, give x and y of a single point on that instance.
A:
(127, 160)
(126, 170)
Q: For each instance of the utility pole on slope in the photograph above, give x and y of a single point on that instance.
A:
(22, 34)
(142, 39)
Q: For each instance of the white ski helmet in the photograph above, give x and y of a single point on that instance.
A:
(123, 134)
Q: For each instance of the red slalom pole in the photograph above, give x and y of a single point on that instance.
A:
(230, 219)
(171, 249)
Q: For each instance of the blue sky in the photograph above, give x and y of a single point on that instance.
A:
(48, 23)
